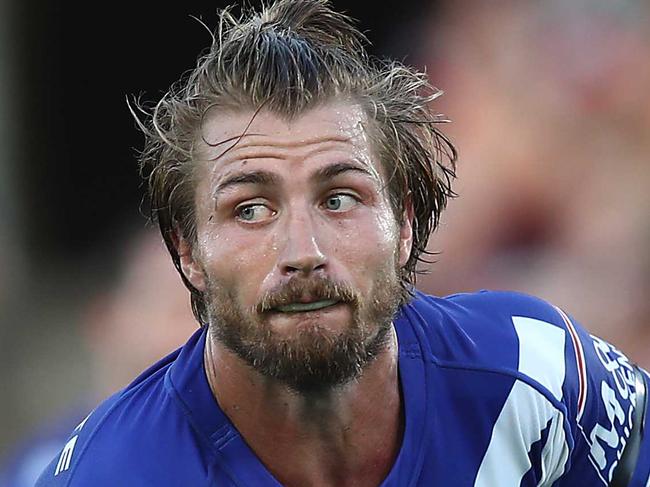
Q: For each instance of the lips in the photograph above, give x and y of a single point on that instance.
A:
(303, 307)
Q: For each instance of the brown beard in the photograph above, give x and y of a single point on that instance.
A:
(313, 359)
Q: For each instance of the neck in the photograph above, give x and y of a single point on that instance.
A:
(349, 435)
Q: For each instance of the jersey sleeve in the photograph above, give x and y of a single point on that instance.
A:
(601, 398)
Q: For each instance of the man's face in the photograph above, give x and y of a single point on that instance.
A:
(297, 248)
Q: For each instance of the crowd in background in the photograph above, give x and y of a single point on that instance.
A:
(551, 116)
(552, 119)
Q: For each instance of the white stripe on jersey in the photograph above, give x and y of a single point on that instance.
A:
(526, 412)
(83, 423)
(66, 456)
(555, 453)
(541, 353)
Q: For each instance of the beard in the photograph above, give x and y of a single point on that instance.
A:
(313, 358)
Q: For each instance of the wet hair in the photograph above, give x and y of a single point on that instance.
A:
(287, 58)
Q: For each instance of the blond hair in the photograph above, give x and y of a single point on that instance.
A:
(286, 58)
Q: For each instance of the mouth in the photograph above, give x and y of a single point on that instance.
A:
(303, 307)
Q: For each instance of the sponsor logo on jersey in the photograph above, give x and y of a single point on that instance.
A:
(607, 439)
(66, 455)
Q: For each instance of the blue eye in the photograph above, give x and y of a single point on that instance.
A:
(253, 212)
(340, 202)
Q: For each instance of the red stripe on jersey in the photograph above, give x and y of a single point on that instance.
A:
(580, 359)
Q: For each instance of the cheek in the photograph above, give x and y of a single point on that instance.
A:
(388, 231)
(384, 230)
(369, 244)
(238, 261)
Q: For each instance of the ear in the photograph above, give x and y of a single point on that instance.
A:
(190, 267)
(406, 232)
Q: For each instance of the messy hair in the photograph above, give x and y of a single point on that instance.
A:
(287, 58)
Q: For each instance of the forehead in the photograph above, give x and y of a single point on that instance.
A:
(227, 135)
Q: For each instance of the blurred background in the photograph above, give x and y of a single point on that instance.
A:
(551, 115)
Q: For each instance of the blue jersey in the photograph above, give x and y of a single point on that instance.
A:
(499, 390)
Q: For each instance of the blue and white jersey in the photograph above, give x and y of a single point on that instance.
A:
(500, 390)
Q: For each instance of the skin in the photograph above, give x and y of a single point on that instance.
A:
(255, 236)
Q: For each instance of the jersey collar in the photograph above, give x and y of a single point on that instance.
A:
(187, 382)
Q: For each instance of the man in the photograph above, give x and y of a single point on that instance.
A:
(296, 182)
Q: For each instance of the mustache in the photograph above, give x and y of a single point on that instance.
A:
(314, 289)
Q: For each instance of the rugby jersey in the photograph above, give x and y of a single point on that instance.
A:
(500, 389)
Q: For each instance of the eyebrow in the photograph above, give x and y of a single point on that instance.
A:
(328, 172)
(262, 178)
(266, 178)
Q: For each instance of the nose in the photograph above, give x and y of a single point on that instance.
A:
(301, 253)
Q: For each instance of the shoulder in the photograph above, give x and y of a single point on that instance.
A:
(505, 341)
(496, 308)
(498, 362)
(548, 374)
(489, 329)
(126, 439)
